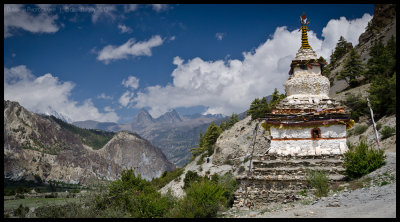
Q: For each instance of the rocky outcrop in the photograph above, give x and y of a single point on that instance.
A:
(38, 145)
(383, 27)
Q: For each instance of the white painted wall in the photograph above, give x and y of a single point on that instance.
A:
(308, 147)
(333, 131)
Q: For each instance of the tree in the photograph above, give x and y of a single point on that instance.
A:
(376, 63)
(383, 96)
(342, 47)
(276, 97)
(207, 141)
(352, 69)
(258, 108)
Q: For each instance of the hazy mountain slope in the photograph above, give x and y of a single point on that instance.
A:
(173, 133)
(38, 145)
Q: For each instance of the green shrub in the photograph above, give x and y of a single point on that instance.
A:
(360, 160)
(20, 196)
(241, 169)
(135, 195)
(228, 162)
(202, 199)
(303, 193)
(360, 129)
(166, 177)
(357, 106)
(9, 192)
(74, 191)
(319, 181)
(228, 182)
(21, 211)
(190, 177)
(387, 132)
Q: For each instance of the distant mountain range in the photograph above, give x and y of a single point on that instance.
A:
(174, 133)
(48, 147)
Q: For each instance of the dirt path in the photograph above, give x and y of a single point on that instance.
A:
(376, 199)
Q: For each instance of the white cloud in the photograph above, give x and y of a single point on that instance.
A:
(130, 7)
(159, 7)
(18, 17)
(172, 38)
(350, 30)
(104, 96)
(227, 86)
(124, 28)
(46, 93)
(103, 11)
(132, 82)
(143, 48)
(108, 109)
(219, 35)
(126, 98)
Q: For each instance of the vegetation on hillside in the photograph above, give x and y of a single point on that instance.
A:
(341, 49)
(132, 196)
(380, 71)
(382, 75)
(352, 69)
(360, 160)
(91, 137)
(207, 140)
(260, 107)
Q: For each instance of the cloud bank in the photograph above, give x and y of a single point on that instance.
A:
(18, 17)
(230, 86)
(46, 93)
(130, 47)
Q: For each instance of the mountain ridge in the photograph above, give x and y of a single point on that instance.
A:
(36, 144)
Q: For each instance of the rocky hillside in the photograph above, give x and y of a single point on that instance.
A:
(382, 26)
(230, 153)
(54, 150)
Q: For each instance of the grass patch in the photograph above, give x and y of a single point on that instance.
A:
(319, 181)
(387, 132)
(37, 202)
(303, 193)
(360, 129)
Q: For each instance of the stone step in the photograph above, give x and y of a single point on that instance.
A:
(291, 157)
(296, 171)
(297, 162)
(260, 198)
(333, 177)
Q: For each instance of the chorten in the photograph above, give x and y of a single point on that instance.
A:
(307, 130)
(307, 121)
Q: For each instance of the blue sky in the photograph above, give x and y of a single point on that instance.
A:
(106, 62)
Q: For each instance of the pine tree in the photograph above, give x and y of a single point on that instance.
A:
(276, 97)
(232, 120)
(342, 47)
(210, 137)
(383, 96)
(352, 69)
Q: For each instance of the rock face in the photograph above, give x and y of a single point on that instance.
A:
(384, 27)
(38, 145)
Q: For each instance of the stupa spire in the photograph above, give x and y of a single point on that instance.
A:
(304, 38)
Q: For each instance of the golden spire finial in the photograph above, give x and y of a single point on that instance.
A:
(304, 38)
